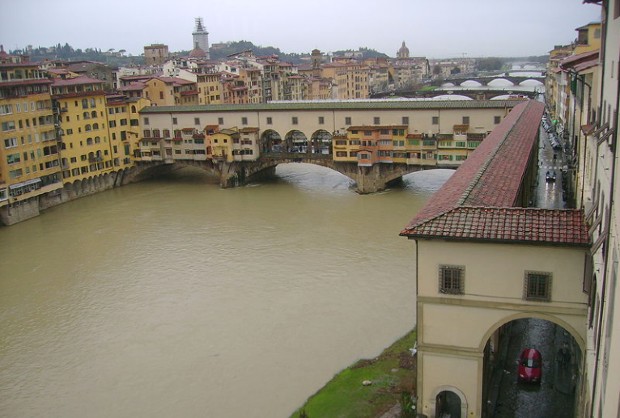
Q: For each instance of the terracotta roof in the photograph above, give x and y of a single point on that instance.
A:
(75, 81)
(479, 201)
(574, 59)
(524, 225)
(586, 64)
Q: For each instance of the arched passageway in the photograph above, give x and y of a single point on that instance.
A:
(531, 368)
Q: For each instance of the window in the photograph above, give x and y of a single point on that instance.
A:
(244, 121)
(497, 119)
(321, 120)
(220, 121)
(174, 121)
(269, 121)
(347, 120)
(537, 286)
(435, 120)
(376, 120)
(451, 280)
(405, 120)
(294, 120)
(196, 121)
(10, 142)
(8, 126)
(146, 121)
(465, 120)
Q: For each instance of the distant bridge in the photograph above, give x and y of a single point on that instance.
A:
(486, 94)
(515, 80)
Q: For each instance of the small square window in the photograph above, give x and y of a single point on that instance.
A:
(244, 121)
(220, 121)
(347, 120)
(269, 121)
(146, 121)
(435, 120)
(537, 286)
(174, 121)
(465, 120)
(405, 120)
(294, 120)
(497, 119)
(321, 120)
(196, 121)
(376, 120)
(451, 280)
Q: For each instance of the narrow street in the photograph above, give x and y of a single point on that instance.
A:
(554, 395)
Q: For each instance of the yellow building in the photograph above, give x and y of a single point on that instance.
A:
(209, 88)
(588, 38)
(171, 91)
(85, 147)
(123, 128)
(222, 143)
(29, 163)
(350, 77)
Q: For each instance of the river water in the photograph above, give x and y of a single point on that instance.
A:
(174, 297)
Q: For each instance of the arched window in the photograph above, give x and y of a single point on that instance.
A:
(133, 109)
(87, 127)
(86, 115)
(93, 114)
(95, 126)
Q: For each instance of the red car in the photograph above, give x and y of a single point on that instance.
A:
(530, 366)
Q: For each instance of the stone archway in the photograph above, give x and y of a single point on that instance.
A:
(449, 402)
(296, 142)
(271, 141)
(321, 142)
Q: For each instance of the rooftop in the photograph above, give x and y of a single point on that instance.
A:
(479, 202)
(423, 104)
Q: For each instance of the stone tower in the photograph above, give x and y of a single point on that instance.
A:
(201, 37)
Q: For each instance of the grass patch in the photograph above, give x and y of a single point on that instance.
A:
(428, 88)
(392, 373)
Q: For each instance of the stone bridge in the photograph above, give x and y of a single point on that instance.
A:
(237, 173)
(516, 80)
(487, 94)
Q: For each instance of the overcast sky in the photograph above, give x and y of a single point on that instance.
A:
(430, 28)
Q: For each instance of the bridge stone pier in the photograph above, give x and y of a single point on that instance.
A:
(238, 173)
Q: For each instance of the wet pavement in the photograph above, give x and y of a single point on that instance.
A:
(554, 396)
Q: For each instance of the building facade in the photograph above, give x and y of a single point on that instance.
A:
(30, 165)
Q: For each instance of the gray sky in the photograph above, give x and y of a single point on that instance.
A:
(431, 28)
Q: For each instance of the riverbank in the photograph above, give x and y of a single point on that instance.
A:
(370, 388)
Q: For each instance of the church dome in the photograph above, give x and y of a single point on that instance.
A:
(403, 52)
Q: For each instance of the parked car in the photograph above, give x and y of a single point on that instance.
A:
(530, 366)
(550, 177)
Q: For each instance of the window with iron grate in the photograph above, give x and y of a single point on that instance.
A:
(451, 280)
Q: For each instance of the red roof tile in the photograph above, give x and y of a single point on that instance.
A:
(523, 225)
(479, 201)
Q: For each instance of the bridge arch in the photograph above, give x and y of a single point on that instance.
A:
(531, 82)
(296, 142)
(271, 141)
(471, 83)
(321, 142)
(500, 82)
